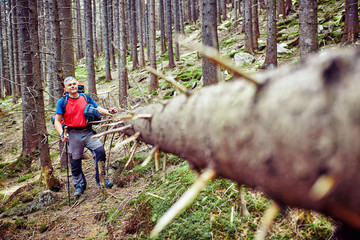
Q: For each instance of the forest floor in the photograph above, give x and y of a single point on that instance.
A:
(89, 217)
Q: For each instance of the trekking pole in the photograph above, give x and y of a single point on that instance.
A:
(67, 164)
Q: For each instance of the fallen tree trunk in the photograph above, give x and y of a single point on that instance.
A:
(296, 138)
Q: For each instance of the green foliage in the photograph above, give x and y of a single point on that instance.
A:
(54, 155)
(4, 164)
(228, 43)
(24, 178)
(189, 74)
(137, 92)
(20, 223)
(80, 72)
(231, 54)
(282, 38)
(43, 228)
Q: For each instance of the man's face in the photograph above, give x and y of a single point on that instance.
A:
(71, 86)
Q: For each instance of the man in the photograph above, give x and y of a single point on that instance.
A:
(79, 133)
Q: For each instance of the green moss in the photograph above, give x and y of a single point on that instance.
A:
(282, 38)
(231, 54)
(228, 43)
(54, 155)
(24, 178)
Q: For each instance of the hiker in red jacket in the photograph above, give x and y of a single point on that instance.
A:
(79, 133)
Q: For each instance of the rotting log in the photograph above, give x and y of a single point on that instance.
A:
(301, 126)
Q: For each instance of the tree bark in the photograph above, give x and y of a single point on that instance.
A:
(96, 46)
(29, 137)
(289, 7)
(11, 50)
(154, 82)
(80, 52)
(141, 25)
(89, 49)
(133, 34)
(255, 24)
(111, 34)
(271, 48)
(65, 18)
(2, 80)
(169, 34)
(281, 9)
(47, 172)
(176, 29)
(351, 27)
(209, 38)
(122, 70)
(162, 26)
(16, 50)
(248, 27)
(106, 41)
(308, 27)
(302, 125)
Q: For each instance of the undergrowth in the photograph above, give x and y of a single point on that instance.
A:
(215, 213)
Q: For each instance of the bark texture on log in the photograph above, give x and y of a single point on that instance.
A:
(303, 124)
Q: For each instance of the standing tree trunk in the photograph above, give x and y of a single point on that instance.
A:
(29, 137)
(222, 9)
(106, 42)
(271, 49)
(65, 17)
(111, 35)
(177, 29)
(89, 49)
(281, 9)
(154, 83)
(122, 69)
(351, 27)
(169, 34)
(96, 46)
(11, 50)
(255, 24)
(181, 18)
(133, 34)
(308, 27)
(263, 5)
(58, 66)
(47, 172)
(209, 38)
(189, 11)
(50, 47)
(2, 80)
(79, 52)
(59, 76)
(162, 26)
(248, 27)
(16, 50)
(289, 7)
(141, 25)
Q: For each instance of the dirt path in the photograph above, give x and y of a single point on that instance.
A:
(88, 217)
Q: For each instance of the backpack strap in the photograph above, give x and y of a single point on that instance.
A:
(65, 100)
(87, 97)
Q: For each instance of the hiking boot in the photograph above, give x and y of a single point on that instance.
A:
(108, 183)
(78, 190)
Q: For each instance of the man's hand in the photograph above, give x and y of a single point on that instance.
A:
(113, 110)
(65, 135)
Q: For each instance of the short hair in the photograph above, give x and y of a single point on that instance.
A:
(68, 79)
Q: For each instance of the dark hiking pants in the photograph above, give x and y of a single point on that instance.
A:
(78, 140)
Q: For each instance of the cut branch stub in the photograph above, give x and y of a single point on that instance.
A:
(116, 130)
